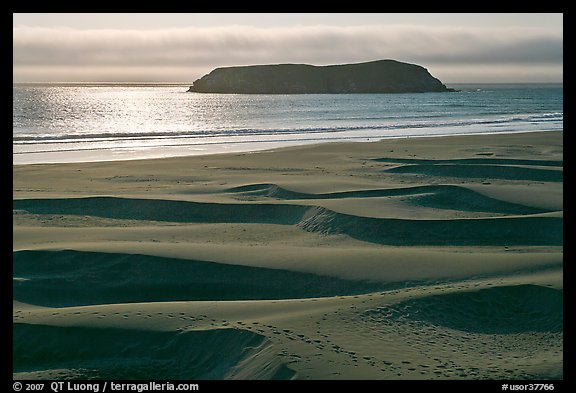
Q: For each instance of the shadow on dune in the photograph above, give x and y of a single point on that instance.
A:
(497, 310)
(124, 354)
(485, 168)
(74, 278)
(482, 171)
(474, 161)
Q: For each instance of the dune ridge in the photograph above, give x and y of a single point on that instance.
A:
(537, 230)
(436, 196)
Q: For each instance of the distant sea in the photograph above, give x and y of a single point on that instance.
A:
(97, 122)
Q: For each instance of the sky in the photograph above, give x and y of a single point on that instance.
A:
(165, 47)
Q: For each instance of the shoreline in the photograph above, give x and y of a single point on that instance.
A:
(183, 150)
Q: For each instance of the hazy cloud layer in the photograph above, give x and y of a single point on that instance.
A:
(190, 52)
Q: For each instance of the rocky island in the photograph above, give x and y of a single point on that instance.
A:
(381, 76)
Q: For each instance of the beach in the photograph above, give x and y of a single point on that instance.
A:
(407, 258)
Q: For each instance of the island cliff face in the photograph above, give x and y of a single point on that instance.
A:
(382, 76)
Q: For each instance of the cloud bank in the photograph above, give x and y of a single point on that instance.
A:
(184, 54)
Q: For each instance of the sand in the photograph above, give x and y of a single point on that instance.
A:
(421, 258)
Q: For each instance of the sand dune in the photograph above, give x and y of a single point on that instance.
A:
(426, 258)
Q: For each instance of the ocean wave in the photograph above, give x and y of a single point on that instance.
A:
(239, 132)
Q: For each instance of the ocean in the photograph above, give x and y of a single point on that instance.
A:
(100, 122)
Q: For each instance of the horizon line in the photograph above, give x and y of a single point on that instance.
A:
(135, 83)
